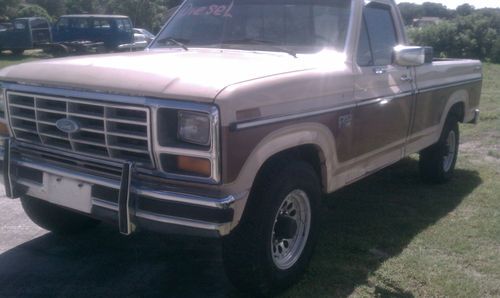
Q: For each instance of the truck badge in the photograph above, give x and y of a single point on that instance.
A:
(67, 125)
(345, 121)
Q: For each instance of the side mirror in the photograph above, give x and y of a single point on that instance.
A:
(412, 56)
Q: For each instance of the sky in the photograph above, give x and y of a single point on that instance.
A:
(452, 4)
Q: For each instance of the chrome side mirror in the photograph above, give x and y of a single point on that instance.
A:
(410, 56)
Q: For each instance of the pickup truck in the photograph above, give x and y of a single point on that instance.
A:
(24, 34)
(234, 123)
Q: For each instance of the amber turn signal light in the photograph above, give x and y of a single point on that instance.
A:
(194, 165)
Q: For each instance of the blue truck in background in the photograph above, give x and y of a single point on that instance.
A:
(24, 34)
(71, 34)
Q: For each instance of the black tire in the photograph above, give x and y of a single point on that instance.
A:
(437, 163)
(17, 52)
(56, 219)
(248, 252)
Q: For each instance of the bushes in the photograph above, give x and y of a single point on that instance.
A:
(468, 35)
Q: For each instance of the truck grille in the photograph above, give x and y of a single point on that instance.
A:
(112, 131)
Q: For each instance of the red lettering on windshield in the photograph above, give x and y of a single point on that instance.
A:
(210, 10)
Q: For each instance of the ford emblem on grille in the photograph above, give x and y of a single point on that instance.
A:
(67, 125)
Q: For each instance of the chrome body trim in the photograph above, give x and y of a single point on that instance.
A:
(439, 87)
(105, 204)
(223, 203)
(383, 100)
(124, 221)
(277, 119)
(222, 229)
(6, 158)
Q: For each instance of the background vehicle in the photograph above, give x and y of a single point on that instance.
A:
(24, 34)
(233, 124)
(109, 30)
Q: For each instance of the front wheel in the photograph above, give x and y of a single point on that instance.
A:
(437, 163)
(272, 247)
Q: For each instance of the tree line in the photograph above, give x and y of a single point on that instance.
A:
(149, 14)
(466, 32)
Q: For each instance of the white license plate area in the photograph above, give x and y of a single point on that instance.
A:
(67, 192)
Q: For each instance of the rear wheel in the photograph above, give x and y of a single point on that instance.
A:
(272, 247)
(54, 218)
(437, 163)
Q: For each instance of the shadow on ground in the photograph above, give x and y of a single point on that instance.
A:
(364, 225)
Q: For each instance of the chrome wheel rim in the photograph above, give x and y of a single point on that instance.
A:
(450, 151)
(290, 229)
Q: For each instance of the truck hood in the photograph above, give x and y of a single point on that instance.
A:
(197, 74)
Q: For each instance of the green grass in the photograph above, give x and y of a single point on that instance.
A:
(6, 58)
(392, 235)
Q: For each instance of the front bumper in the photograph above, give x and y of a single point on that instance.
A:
(127, 199)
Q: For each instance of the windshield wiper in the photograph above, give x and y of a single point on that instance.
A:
(268, 43)
(174, 41)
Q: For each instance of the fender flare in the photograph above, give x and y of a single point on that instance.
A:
(290, 137)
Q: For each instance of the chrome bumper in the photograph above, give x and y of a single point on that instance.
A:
(136, 205)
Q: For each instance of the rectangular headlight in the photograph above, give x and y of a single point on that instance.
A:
(194, 127)
(186, 142)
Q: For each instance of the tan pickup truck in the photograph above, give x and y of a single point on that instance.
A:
(234, 123)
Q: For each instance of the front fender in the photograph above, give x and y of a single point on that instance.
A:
(290, 137)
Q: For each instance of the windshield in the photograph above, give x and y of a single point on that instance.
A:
(301, 26)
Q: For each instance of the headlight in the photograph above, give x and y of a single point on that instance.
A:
(194, 127)
(186, 142)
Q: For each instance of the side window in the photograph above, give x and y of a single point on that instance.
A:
(19, 25)
(365, 57)
(381, 33)
(62, 24)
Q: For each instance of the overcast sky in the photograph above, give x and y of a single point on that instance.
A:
(454, 3)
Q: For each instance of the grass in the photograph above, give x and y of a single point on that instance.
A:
(6, 58)
(392, 235)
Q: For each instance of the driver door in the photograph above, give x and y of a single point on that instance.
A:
(383, 91)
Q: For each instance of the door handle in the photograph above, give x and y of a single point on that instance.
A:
(406, 78)
(379, 70)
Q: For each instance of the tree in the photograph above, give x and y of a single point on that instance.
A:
(470, 36)
(55, 8)
(465, 9)
(32, 11)
(86, 6)
(7, 9)
(435, 10)
(147, 14)
(410, 11)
